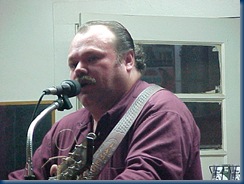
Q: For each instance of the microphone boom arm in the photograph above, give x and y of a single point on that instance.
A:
(61, 103)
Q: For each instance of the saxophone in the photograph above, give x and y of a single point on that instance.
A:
(77, 162)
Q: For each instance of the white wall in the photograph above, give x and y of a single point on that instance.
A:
(28, 39)
(26, 35)
(27, 56)
(26, 49)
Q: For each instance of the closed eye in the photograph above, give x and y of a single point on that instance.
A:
(86, 58)
(93, 58)
(73, 65)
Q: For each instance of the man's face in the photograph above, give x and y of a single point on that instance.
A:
(92, 54)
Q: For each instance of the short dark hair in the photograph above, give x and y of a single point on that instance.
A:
(124, 41)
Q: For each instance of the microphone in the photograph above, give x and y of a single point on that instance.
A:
(70, 88)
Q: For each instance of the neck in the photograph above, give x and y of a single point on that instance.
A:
(99, 108)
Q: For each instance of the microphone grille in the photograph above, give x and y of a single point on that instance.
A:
(74, 87)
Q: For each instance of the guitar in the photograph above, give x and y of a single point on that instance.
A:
(77, 162)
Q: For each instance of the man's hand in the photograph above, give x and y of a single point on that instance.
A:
(53, 170)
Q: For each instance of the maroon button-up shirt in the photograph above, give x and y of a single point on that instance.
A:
(162, 144)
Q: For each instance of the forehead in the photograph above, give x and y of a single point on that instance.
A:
(96, 35)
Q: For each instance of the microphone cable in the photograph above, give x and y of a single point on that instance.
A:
(37, 106)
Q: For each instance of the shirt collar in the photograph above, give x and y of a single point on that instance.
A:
(117, 111)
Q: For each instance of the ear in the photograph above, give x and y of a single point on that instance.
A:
(129, 59)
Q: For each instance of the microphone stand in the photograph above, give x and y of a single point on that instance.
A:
(61, 103)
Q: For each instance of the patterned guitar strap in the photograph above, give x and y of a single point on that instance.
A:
(110, 144)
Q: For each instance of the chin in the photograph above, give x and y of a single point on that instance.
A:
(84, 99)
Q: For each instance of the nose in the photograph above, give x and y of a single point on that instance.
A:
(79, 70)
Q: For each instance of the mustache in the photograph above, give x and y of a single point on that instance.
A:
(85, 80)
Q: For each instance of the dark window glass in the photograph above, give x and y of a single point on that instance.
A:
(183, 68)
(208, 119)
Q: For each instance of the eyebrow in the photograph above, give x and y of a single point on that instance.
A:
(73, 56)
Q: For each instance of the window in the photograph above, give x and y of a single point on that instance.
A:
(190, 70)
(220, 35)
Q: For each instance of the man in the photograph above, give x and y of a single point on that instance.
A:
(163, 142)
